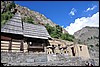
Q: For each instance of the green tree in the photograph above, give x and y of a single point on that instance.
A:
(13, 4)
(67, 36)
(56, 32)
(10, 6)
(6, 15)
(49, 28)
(28, 20)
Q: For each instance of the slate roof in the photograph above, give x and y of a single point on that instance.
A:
(14, 26)
(35, 31)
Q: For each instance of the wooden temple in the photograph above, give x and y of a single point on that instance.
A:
(18, 36)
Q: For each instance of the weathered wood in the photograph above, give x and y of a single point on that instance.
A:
(16, 43)
(17, 46)
(10, 45)
(5, 38)
(15, 26)
(5, 42)
(17, 31)
(21, 46)
(36, 47)
(4, 48)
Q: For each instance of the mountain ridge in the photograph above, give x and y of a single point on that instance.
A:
(89, 36)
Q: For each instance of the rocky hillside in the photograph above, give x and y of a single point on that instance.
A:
(25, 12)
(9, 8)
(36, 16)
(89, 36)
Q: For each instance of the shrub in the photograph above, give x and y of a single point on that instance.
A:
(56, 32)
(3, 22)
(28, 20)
(6, 16)
(10, 6)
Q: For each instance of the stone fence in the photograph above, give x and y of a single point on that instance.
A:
(41, 59)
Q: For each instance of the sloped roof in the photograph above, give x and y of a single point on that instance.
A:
(14, 26)
(35, 31)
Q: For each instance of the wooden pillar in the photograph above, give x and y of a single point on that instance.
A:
(43, 46)
(21, 46)
(10, 45)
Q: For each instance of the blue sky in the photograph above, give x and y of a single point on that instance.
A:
(63, 13)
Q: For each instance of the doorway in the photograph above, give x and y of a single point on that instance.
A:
(73, 51)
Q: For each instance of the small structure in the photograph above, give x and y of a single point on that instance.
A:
(65, 47)
(18, 36)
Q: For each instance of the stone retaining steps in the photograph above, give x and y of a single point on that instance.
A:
(33, 59)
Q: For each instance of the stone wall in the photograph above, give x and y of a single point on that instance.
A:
(40, 59)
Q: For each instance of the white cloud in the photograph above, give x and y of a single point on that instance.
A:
(89, 9)
(72, 12)
(62, 26)
(79, 23)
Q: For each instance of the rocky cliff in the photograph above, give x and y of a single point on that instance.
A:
(89, 36)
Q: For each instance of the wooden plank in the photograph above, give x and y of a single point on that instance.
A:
(16, 46)
(4, 41)
(35, 46)
(16, 43)
(25, 48)
(21, 46)
(4, 45)
(5, 38)
(10, 45)
(4, 48)
(15, 50)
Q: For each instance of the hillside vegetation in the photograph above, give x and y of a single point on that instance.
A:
(6, 13)
(55, 31)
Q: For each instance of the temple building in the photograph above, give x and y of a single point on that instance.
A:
(18, 36)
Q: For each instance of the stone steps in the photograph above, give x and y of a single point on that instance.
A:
(31, 59)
